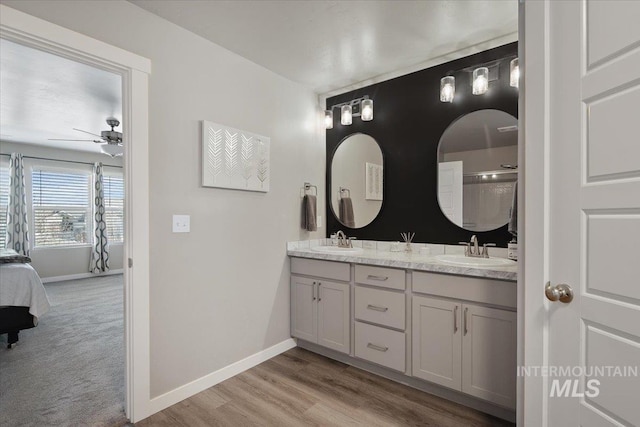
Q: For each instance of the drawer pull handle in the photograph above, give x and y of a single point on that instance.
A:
(377, 347)
(380, 278)
(455, 319)
(377, 308)
(466, 309)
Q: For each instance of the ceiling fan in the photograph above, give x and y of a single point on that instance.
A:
(111, 140)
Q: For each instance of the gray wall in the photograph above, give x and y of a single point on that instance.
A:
(56, 262)
(221, 292)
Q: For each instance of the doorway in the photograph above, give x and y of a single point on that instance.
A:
(27, 30)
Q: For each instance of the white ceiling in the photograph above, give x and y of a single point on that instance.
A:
(45, 96)
(327, 45)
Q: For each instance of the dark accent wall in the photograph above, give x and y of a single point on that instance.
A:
(408, 122)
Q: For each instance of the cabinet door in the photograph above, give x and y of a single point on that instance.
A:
(437, 342)
(489, 354)
(333, 316)
(304, 309)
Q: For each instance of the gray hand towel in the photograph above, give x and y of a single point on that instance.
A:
(309, 209)
(346, 212)
(513, 216)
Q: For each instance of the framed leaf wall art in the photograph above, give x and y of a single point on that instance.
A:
(235, 159)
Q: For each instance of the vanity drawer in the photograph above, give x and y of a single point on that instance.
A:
(488, 291)
(379, 345)
(382, 307)
(380, 276)
(319, 268)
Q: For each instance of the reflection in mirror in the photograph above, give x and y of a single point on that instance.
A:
(356, 180)
(477, 161)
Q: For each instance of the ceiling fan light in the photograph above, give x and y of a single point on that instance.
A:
(112, 150)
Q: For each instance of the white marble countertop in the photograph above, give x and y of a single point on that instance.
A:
(411, 261)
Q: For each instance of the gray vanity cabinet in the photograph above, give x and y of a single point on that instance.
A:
(466, 347)
(437, 341)
(489, 349)
(320, 307)
(465, 335)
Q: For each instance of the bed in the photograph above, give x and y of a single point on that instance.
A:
(23, 298)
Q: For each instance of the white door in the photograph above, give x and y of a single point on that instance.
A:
(489, 339)
(437, 342)
(450, 190)
(333, 316)
(594, 217)
(304, 309)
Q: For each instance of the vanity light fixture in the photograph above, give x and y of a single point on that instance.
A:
(514, 73)
(328, 119)
(480, 81)
(481, 75)
(447, 88)
(366, 110)
(346, 115)
(362, 107)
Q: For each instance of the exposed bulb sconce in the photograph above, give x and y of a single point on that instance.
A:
(362, 107)
(480, 81)
(447, 88)
(481, 75)
(514, 73)
(346, 115)
(366, 110)
(328, 119)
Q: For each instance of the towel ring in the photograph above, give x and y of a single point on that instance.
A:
(345, 190)
(308, 186)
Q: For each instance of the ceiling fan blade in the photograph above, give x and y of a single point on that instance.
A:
(90, 133)
(59, 139)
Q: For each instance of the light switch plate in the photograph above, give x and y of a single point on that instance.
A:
(181, 223)
(319, 221)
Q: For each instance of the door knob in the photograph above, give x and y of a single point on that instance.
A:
(561, 292)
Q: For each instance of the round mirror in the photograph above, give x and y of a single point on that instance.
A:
(356, 180)
(477, 169)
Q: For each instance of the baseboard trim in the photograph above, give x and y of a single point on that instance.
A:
(176, 395)
(80, 276)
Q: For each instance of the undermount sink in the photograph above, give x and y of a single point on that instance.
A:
(336, 250)
(465, 261)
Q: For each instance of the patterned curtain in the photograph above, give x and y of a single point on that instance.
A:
(17, 224)
(100, 253)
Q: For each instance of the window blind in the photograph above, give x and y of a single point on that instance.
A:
(114, 207)
(61, 207)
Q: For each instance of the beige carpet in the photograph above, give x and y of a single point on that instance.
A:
(69, 370)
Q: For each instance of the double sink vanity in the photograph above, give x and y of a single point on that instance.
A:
(441, 321)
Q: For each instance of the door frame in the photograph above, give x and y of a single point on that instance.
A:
(33, 32)
(533, 200)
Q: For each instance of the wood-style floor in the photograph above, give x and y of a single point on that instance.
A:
(300, 388)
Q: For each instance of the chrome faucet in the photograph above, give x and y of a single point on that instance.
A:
(474, 242)
(472, 248)
(343, 241)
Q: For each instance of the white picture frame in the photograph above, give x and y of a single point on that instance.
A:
(234, 159)
(373, 181)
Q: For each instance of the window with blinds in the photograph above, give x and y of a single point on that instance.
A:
(4, 203)
(114, 206)
(61, 207)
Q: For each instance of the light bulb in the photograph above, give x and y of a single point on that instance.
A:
(514, 75)
(366, 110)
(480, 80)
(345, 115)
(328, 119)
(447, 88)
